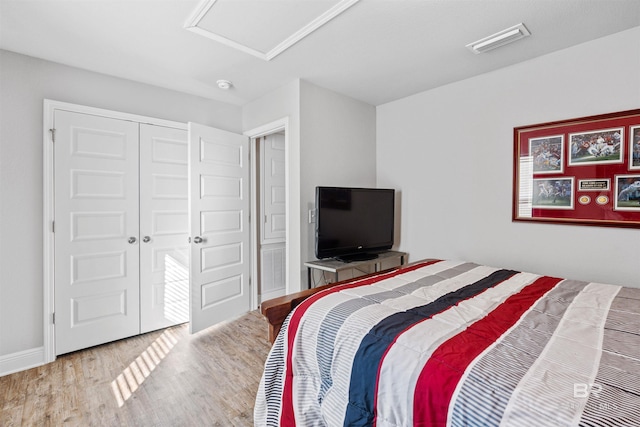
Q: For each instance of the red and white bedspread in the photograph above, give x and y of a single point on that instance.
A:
(451, 343)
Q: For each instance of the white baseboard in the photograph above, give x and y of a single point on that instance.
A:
(21, 361)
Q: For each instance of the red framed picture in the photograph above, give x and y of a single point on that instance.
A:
(582, 171)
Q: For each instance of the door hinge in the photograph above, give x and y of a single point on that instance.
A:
(53, 134)
(53, 226)
(53, 318)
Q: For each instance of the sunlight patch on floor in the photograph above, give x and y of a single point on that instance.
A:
(132, 377)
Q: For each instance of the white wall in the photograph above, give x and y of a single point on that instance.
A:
(331, 142)
(449, 151)
(24, 83)
(338, 136)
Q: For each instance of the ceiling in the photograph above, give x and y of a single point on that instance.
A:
(376, 51)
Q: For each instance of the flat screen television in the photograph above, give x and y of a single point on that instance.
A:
(353, 223)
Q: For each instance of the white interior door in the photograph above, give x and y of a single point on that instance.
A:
(96, 230)
(273, 191)
(273, 207)
(164, 227)
(219, 171)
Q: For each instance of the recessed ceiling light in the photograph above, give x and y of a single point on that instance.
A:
(498, 39)
(224, 84)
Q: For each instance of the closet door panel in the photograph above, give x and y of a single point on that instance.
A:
(164, 223)
(220, 200)
(96, 215)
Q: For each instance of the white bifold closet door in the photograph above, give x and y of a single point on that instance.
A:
(220, 204)
(127, 197)
(164, 227)
(121, 229)
(97, 255)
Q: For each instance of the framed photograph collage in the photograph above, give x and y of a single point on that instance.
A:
(580, 171)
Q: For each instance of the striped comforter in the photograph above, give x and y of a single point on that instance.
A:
(451, 343)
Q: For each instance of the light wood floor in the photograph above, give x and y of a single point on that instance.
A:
(164, 378)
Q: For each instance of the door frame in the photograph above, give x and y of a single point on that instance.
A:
(48, 256)
(268, 129)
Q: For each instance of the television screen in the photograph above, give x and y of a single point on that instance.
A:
(353, 223)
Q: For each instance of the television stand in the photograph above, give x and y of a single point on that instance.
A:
(383, 261)
(356, 257)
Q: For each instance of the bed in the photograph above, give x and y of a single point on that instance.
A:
(442, 342)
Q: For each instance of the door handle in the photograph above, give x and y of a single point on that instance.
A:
(132, 240)
(146, 239)
(197, 239)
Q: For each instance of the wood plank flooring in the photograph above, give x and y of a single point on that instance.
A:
(163, 378)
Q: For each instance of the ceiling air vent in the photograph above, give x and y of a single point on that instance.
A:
(498, 39)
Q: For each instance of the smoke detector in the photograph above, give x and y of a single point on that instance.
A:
(224, 84)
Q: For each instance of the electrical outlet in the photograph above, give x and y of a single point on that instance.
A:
(312, 216)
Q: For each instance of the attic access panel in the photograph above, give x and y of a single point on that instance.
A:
(263, 28)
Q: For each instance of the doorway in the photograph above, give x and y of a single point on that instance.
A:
(271, 215)
(270, 206)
